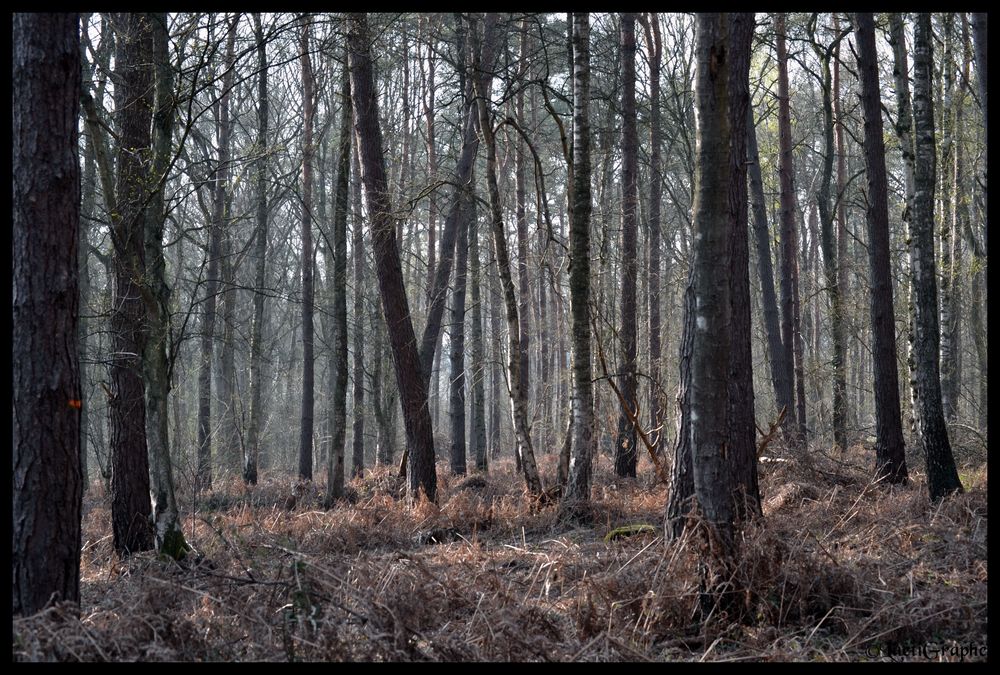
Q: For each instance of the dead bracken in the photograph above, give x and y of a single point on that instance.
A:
(834, 572)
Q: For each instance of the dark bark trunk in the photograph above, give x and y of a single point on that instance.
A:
(46, 480)
(477, 407)
(942, 476)
(626, 455)
(252, 448)
(521, 220)
(682, 475)
(788, 247)
(130, 505)
(890, 458)
(406, 360)
(762, 238)
(308, 151)
(457, 390)
(338, 358)
(742, 448)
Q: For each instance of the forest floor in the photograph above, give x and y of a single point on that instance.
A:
(838, 569)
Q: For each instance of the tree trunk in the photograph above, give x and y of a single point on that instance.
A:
(626, 455)
(890, 458)
(521, 219)
(577, 494)
(681, 499)
(130, 506)
(357, 243)
(742, 447)
(46, 480)
(477, 407)
(406, 360)
(942, 476)
(979, 20)
(518, 402)
(308, 151)
(950, 341)
(251, 453)
(457, 389)
(338, 357)
(157, 362)
(904, 131)
(762, 239)
(653, 44)
(789, 263)
(831, 262)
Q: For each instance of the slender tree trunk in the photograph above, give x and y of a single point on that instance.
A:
(626, 455)
(130, 504)
(518, 402)
(904, 131)
(844, 261)
(653, 43)
(358, 366)
(251, 452)
(46, 480)
(950, 345)
(338, 358)
(831, 262)
(942, 476)
(789, 262)
(521, 219)
(168, 538)
(308, 151)
(762, 238)
(477, 408)
(457, 389)
(890, 458)
(577, 493)
(409, 378)
(681, 499)
(979, 21)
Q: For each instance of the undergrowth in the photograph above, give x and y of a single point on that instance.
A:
(838, 569)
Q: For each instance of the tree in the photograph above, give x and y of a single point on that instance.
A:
(518, 395)
(626, 455)
(942, 476)
(156, 363)
(130, 506)
(890, 458)
(790, 332)
(338, 357)
(251, 453)
(46, 479)
(409, 375)
(308, 151)
(577, 493)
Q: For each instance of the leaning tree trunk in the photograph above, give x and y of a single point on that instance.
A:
(942, 476)
(890, 458)
(406, 360)
(762, 239)
(251, 452)
(626, 455)
(46, 481)
(577, 494)
(518, 400)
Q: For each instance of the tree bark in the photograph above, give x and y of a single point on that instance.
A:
(789, 264)
(577, 494)
(457, 389)
(358, 366)
(338, 357)
(742, 447)
(406, 360)
(251, 452)
(626, 455)
(130, 504)
(308, 151)
(46, 479)
(890, 458)
(942, 476)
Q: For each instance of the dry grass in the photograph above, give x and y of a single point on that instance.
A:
(838, 570)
